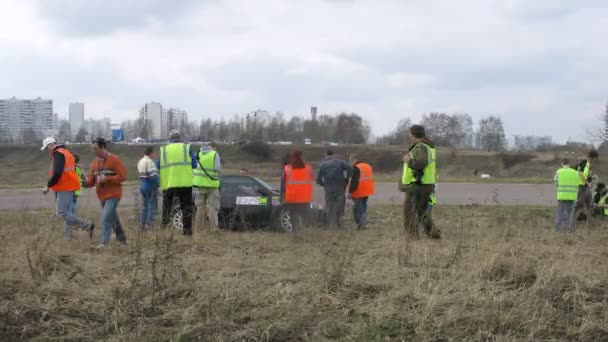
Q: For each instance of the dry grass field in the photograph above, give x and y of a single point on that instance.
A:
(498, 274)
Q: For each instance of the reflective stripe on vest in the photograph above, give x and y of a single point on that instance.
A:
(567, 184)
(175, 166)
(210, 179)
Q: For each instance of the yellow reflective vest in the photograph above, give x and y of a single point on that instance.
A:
(568, 181)
(175, 166)
(429, 175)
(209, 177)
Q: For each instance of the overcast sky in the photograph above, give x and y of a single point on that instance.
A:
(541, 65)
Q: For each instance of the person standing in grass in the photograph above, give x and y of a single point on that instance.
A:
(65, 182)
(360, 188)
(149, 182)
(297, 183)
(567, 180)
(175, 166)
(600, 200)
(418, 183)
(107, 173)
(334, 175)
(206, 179)
(585, 198)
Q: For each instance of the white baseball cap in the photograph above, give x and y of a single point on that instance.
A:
(47, 141)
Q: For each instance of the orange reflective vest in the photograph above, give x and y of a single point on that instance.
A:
(69, 180)
(298, 184)
(366, 181)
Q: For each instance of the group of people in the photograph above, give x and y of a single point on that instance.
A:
(576, 201)
(176, 169)
(106, 173)
(338, 178)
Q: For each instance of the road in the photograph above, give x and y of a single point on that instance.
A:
(386, 193)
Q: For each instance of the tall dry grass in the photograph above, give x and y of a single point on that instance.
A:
(498, 274)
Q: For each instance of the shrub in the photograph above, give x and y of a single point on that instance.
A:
(259, 149)
(387, 161)
(511, 159)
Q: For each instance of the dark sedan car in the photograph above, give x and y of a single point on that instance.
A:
(248, 202)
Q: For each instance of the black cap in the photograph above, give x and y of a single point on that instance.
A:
(101, 142)
(330, 152)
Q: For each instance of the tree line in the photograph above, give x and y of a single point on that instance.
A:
(343, 128)
(452, 130)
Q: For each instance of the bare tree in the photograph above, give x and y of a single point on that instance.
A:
(65, 133)
(400, 135)
(28, 136)
(81, 135)
(599, 134)
(491, 134)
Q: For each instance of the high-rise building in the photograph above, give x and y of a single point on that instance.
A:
(21, 117)
(175, 118)
(313, 113)
(261, 117)
(76, 117)
(152, 114)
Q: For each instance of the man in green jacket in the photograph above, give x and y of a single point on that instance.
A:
(418, 183)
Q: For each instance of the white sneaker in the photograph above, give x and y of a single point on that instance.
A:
(101, 246)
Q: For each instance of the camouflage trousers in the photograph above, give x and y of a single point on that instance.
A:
(415, 209)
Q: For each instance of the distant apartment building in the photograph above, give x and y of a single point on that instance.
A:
(175, 118)
(20, 116)
(152, 113)
(76, 117)
(530, 142)
(313, 113)
(261, 117)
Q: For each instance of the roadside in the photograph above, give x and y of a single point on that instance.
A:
(386, 193)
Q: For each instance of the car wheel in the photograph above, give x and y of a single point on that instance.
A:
(178, 223)
(288, 222)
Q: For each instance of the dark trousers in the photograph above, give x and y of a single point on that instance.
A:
(415, 209)
(300, 213)
(184, 196)
(360, 210)
(583, 203)
(335, 201)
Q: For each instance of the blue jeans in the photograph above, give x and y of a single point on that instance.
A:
(110, 222)
(565, 216)
(148, 208)
(360, 210)
(65, 208)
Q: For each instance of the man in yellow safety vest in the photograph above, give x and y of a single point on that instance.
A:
(206, 179)
(176, 163)
(418, 183)
(567, 180)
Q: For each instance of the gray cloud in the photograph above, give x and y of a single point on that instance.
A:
(538, 64)
(95, 17)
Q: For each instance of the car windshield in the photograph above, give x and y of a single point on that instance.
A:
(264, 184)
